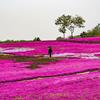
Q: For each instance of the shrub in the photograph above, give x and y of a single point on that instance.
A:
(36, 39)
(94, 32)
(59, 38)
(83, 34)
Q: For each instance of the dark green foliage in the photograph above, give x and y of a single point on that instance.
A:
(94, 32)
(90, 33)
(36, 39)
(83, 34)
(78, 21)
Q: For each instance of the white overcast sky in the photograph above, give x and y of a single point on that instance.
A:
(26, 19)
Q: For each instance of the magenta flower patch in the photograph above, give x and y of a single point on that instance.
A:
(75, 76)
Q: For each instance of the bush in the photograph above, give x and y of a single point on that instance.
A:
(36, 39)
(59, 38)
(83, 34)
(94, 32)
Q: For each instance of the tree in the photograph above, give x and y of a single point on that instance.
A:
(83, 34)
(62, 29)
(63, 21)
(94, 32)
(69, 23)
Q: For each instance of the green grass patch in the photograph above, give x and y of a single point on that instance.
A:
(6, 57)
(36, 61)
(40, 60)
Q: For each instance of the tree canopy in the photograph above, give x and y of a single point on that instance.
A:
(69, 23)
(94, 32)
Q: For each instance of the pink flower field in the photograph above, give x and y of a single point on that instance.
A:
(86, 39)
(27, 73)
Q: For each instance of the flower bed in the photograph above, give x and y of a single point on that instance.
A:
(76, 76)
(85, 40)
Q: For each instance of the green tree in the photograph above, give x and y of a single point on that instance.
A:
(94, 32)
(69, 23)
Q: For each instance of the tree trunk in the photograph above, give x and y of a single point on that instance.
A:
(71, 34)
(64, 35)
(71, 30)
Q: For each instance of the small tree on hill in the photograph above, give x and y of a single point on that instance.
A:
(69, 23)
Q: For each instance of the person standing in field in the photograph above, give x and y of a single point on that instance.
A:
(50, 51)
